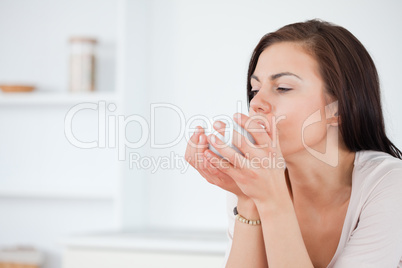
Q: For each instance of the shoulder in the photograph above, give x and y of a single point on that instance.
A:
(374, 160)
(377, 176)
(372, 168)
(372, 232)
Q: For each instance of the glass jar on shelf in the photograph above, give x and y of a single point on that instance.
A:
(82, 64)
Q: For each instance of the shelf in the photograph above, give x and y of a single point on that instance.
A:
(51, 98)
(10, 194)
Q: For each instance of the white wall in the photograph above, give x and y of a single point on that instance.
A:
(35, 40)
(50, 189)
(199, 55)
(192, 54)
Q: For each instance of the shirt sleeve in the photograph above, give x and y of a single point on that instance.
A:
(231, 202)
(377, 239)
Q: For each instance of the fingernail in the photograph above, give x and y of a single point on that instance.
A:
(217, 124)
(201, 139)
(236, 115)
(213, 139)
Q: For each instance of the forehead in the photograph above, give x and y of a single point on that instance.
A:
(286, 57)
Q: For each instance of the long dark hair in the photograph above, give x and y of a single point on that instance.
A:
(349, 75)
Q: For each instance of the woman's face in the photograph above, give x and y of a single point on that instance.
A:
(290, 91)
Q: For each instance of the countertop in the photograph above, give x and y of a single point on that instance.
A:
(203, 242)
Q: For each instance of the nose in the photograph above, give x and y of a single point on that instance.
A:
(260, 104)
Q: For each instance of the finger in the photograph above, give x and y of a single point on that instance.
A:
(243, 144)
(275, 141)
(219, 178)
(220, 127)
(212, 158)
(191, 145)
(210, 173)
(202, 146)
(203, 169)
(214, 164)
(277, 145)
(226, 151)
(210, 167)
(193, 142)
(227, 168)
(251, 125)
(202, 143)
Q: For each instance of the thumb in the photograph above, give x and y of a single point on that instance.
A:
(275, 138)
(281, 163)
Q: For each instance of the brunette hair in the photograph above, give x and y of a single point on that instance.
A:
(349, 75)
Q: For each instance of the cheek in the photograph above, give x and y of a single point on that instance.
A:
(298, 129)
(290, 129)
(314, 134)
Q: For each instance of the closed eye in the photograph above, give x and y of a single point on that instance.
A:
(252, 93)
(283, 89)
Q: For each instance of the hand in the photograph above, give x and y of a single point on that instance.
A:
(195, 155)
(260, 172)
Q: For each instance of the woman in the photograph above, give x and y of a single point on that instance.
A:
(314, 102)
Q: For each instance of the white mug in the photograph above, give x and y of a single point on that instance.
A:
(227, 138)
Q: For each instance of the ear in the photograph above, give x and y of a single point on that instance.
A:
(331, 113)
(334, 120)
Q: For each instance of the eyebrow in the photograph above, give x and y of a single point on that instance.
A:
(276, 76)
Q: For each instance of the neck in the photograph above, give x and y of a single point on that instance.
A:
(316, 183)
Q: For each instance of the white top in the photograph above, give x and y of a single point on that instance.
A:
(372, 231)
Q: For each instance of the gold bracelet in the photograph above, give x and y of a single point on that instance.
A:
(244, 220)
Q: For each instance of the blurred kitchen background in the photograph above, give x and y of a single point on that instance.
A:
(86, 208)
